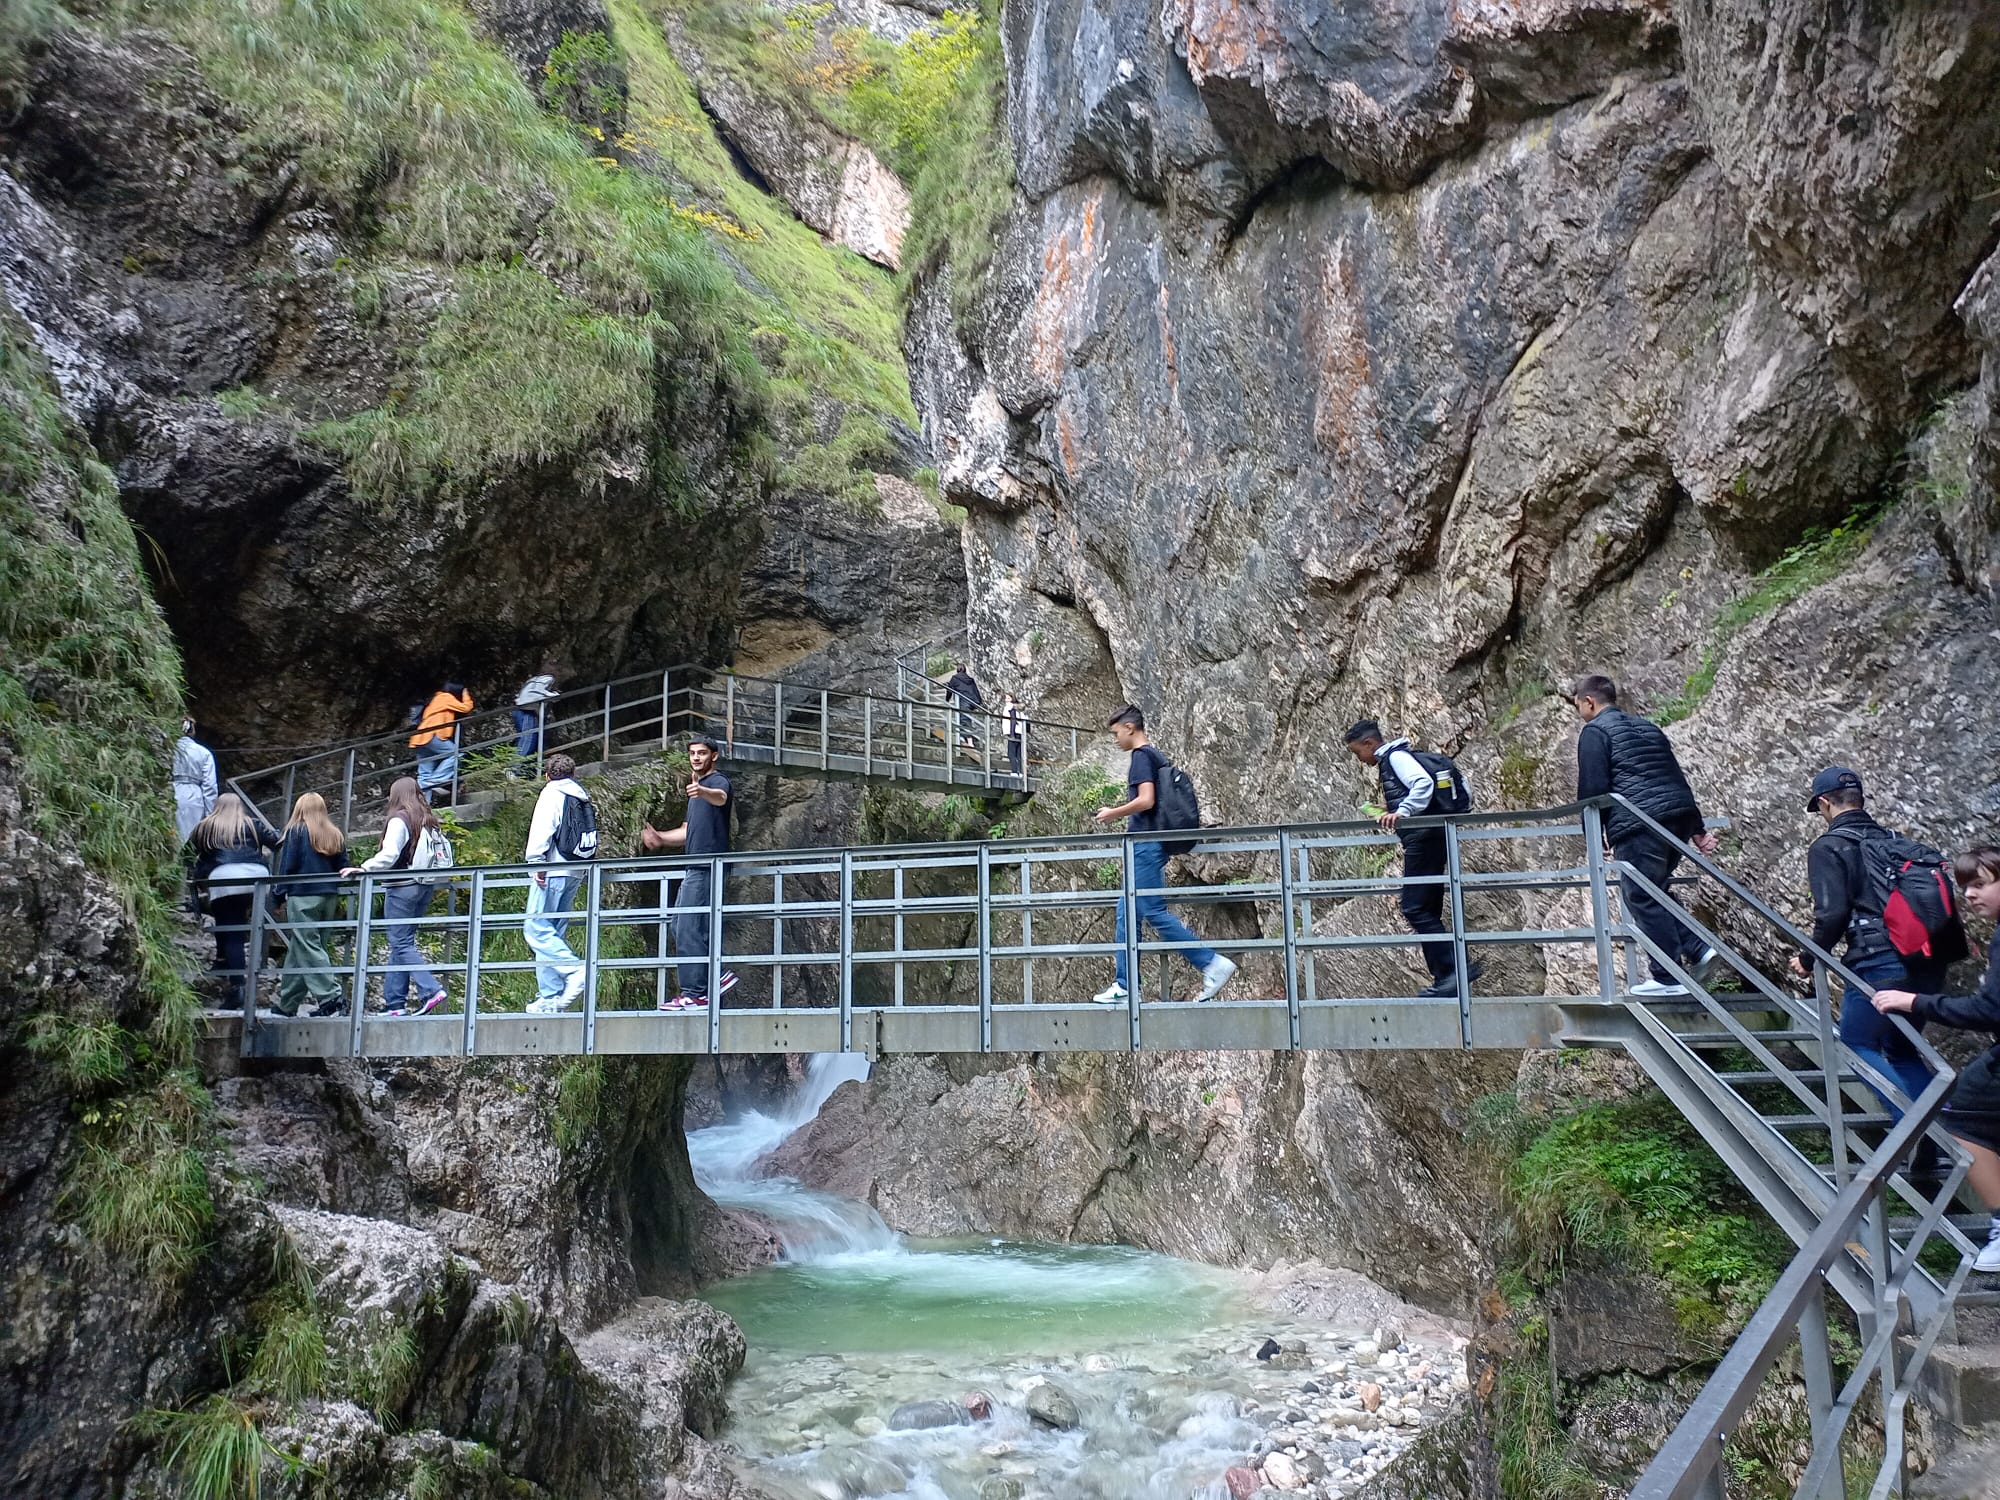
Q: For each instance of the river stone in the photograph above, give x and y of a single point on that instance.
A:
(1241, 1483)
(1371, 1397)
(1000, 1488)
(915, 1415)
(1052, 1406)
(1283, 1471)
(1099, 1364)
(1269, 1349)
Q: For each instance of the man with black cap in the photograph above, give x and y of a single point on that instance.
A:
(1619, 752)
(1845, 906)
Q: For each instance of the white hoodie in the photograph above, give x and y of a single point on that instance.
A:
(548, 814)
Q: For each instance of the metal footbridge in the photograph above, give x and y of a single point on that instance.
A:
(997, 947)
(915, 736)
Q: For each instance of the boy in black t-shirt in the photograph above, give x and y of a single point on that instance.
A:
(1149, 864)
(706, 831)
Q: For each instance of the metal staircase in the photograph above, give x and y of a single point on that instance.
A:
(994, 947)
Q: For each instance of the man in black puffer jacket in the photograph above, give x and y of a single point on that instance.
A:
(1623, 753)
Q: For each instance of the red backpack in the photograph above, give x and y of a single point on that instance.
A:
(1907, 887)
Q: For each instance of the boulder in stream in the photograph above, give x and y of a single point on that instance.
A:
(914, 1415)
(1049, 1405)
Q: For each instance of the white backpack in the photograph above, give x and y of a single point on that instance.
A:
(432, 851)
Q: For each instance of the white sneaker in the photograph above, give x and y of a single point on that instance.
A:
(1114, 994)
(571, 992)
(1703, 966)
(1218, 973)
(544, 1005)
(1655, 989)
(1989, 1258)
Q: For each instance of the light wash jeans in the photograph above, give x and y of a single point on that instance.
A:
(436, 760)
(556, 962)
(401, 906)
(1149, 868)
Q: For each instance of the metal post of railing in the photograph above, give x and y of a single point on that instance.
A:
(1711, 1487)
(1128, 897)
(846, 950)
(1455, 876)
(777, 723)
(1072, 747)
(985, 949)
(1830, 1066)
(1291, 937)
(291, 774)
(867, 736)
(825, 729)
(457, 757)
(714, 954)
(253, 961)
(541, 734)
(1874, 1233)
(347, 795)
(729, 714)
(909, 739)
(1027, 930)
(986, 747)
(666, 706)
(660, 947)
(475, 949)
(607, 722)
(899, 934)
(594, 901)
(1600, 902)
(364, 914)
(1816, 1365)
(778, 939)
(1306, 924)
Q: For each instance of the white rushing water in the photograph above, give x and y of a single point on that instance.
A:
(811, 1225)
(1156, 1354)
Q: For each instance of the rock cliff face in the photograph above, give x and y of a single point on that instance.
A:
(1411, 359)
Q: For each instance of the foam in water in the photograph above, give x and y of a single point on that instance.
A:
(812, 1226)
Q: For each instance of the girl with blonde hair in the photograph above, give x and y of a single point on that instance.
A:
(229, 847)
(412, 839)
(314, 850)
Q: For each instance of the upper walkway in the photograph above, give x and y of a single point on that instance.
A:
(996, 947)
(822, 732)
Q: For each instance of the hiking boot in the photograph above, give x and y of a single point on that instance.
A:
(329, 1008)
(1655, 989)
(1113, 994)
(1445, 988)
(1218, 973)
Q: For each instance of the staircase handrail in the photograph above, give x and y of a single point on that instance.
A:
(1687, 1464)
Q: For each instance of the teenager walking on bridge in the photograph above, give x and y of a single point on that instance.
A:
(1149, 865)
(705, 831)
(1415, 783)
(1618, 752)
(563, 829)
(229, 849)
(412, 840)
(313, 850)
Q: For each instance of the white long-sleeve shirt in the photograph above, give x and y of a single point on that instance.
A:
(538, 689)
(548, 814)
(1410, 771)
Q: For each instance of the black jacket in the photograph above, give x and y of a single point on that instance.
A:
(1833, 870)
(296, 856)
(262, 836)
(1623, 753)
(1979, 1011)
(961, 687)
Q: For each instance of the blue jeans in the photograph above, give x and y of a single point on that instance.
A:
(401, 906)
(556, 962)
(527, 732)
(1871, 1036)
(691, 929)
(436, 760)
(1149, 869)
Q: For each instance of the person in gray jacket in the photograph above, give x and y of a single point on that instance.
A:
(195, 785)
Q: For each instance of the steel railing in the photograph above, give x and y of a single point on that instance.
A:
(760, 720)
(996, 947)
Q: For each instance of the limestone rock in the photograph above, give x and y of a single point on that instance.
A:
(1049, 1405)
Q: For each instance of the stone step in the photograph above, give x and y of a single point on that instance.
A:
(1963, 1381)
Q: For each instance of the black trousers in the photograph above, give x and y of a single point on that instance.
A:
(1653, 857)
(1423, 905)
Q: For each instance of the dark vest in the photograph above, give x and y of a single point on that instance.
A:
(1644, 770)
(1394, 788)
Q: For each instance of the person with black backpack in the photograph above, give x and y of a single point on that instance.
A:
(1416, 783)
(1892, 900)
(1159, 795)
(562, 832)
(1620, 753)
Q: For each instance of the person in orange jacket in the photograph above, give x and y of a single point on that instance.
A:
(436, 739)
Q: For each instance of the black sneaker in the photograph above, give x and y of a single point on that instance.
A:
(329, 1008)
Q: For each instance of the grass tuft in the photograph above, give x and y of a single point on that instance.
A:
(140, 1187)
(213, 1447)
(384, 1371)
(88, 1055)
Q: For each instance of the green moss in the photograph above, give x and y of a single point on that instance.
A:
(1518, 773)
(579, 1095)
(90, 684)
(1819, 557)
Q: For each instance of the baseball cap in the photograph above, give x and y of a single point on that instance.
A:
(1832, 779)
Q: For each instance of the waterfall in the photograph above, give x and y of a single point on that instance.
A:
(812, 1226)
